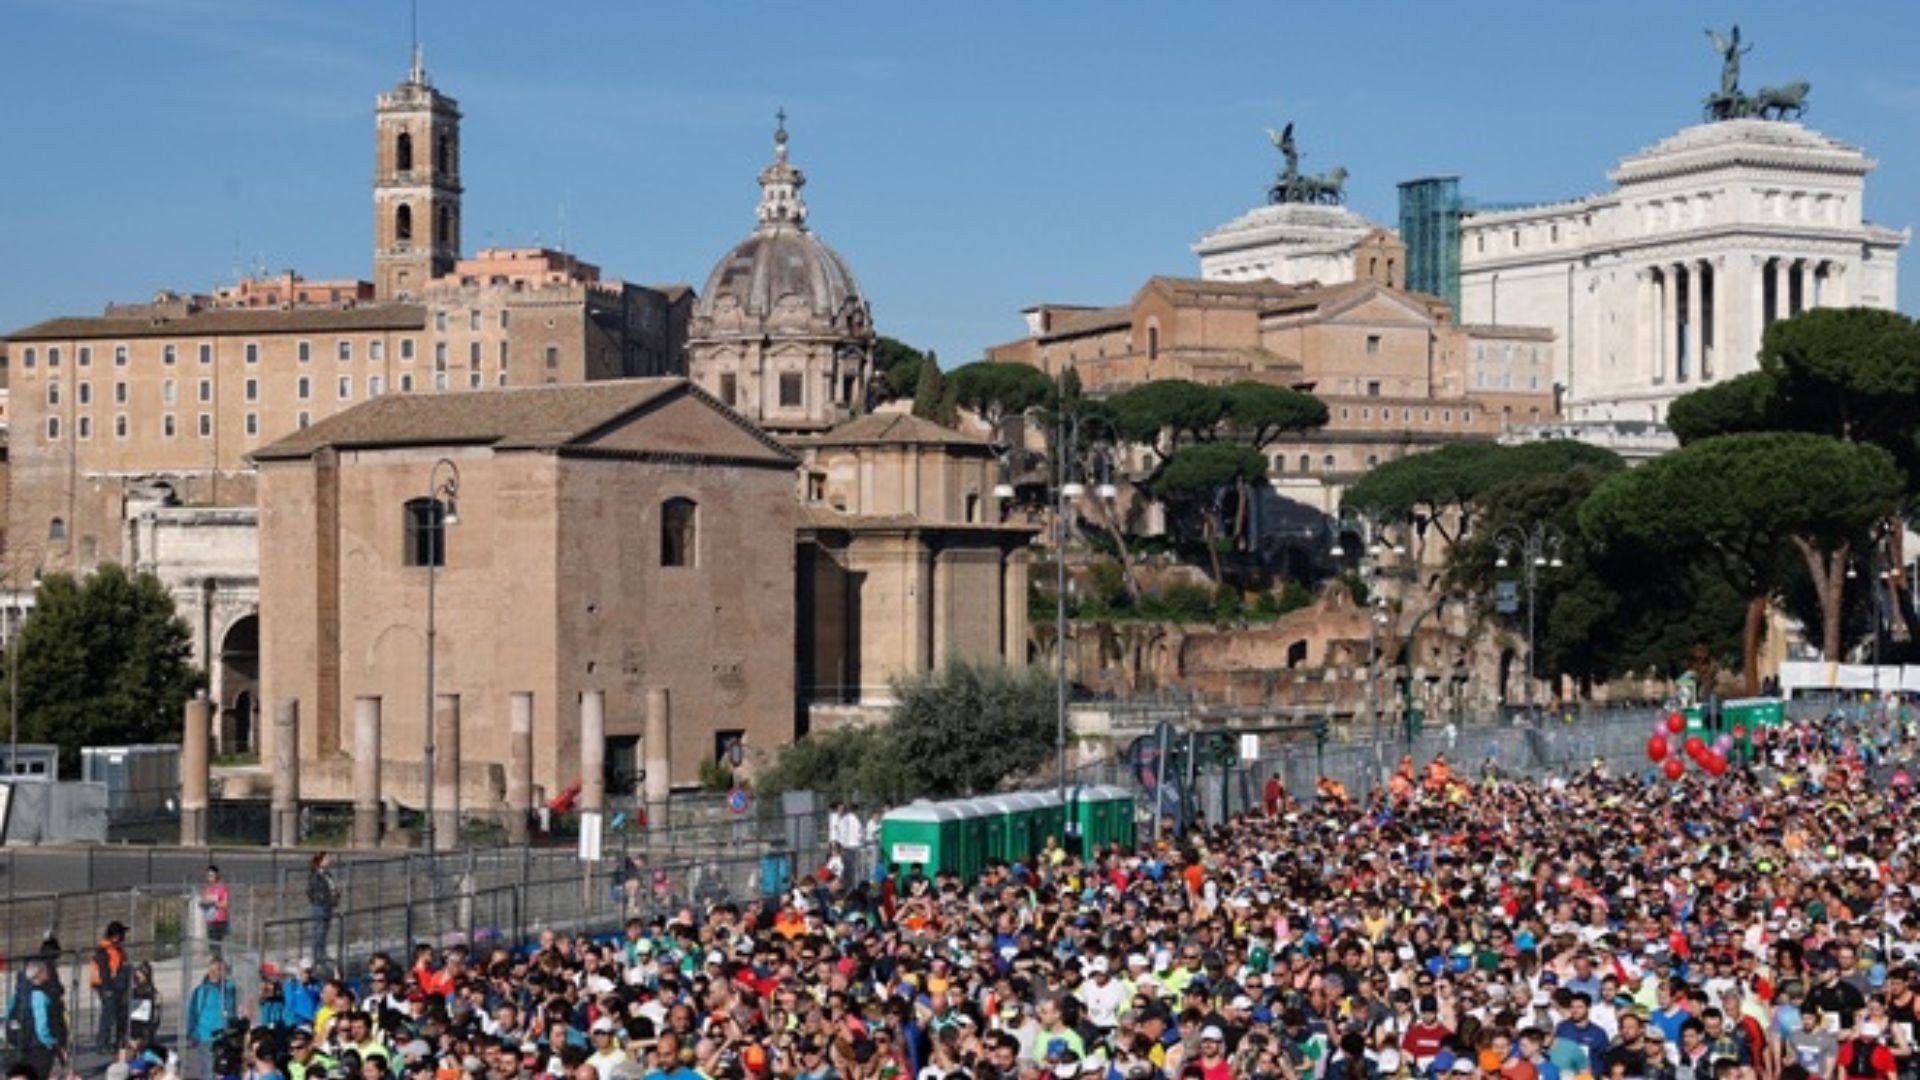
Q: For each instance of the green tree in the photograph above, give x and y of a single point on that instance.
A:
(1261, 413)
(970, 727)
(930, 394)
(896, 366)
(997, 390)
(103, 661)
(839, 763)
(1749, 505)
(1741, 404)
(1166, 414)
(1191, 480)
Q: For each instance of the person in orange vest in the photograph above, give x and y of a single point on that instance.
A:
(1439, 773)
(112, 982)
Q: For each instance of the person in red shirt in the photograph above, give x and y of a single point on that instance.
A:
(1866, 1056)
(1425, 1036)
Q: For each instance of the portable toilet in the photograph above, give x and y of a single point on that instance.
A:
(924, 834)
(1023, 825)
(972, 820)
(998, 810)
(1115, 813)
(1088, 816)
(1050, 819)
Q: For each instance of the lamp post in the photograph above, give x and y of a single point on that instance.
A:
(1539, 546)
(1371, 560)
(1066, 489)
(17, 618)
(440, 510)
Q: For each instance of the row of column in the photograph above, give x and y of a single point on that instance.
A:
(1692, 312)
(284, 808)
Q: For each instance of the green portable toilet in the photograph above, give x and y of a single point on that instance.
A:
(1119, 804)
(998, 812)
(1096, 809)
(972, 819)
(924, 834)
(1050, 820)
(1023, 825)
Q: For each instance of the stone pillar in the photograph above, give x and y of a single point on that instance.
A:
(1013, 610)
(1688, 366)
(284, 821)
(194, 769)
(1782, 287)
(1805, 273)
(941, 579)
(1646, 315)
(593, 751)
(1753, 321)
(658, 755)
(446, 771)
(1712, 290)
(519, 767)
(366, 771)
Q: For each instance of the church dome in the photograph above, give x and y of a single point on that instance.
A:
(782, 279)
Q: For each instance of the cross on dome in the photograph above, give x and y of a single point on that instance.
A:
(780, 184)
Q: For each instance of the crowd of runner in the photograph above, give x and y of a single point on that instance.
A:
(1606, 924)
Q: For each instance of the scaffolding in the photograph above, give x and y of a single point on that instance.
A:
(1430, 211)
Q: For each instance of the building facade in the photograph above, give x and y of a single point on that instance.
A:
(1667, 282)
(621, 537)
(904, 562)
(1301, 244)
(782, 332)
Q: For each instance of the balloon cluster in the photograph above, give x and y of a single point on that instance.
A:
(1710, 758)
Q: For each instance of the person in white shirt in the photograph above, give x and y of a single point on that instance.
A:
(1103, 995)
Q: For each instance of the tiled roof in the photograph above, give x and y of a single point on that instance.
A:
(524, 418)
(230, 322)
(1081, 322)
(890, 427)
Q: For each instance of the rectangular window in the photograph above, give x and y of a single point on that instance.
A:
(303, 420)
(503, 356)
(119, 425)
(85, 357)
(1373, 344)
(206, 425)
(206, 390)
(1373, 388)
(503, 318)
(473, 380)
(346, 388)
(53, 393)
(553, 356)
(166, 426)
(253, 389)
(168, 392)
(253, 424)
(86, 427)
(86, 393)
(376, 386)
(53, 428)
(473, 321)
(790, 389)
(119, 393)
(167, 355)
(424, 524)
(53, 356)
(406, 382)
(439, 380)
(303, 389)
(439, 356)
(304, 351)
(119, 356)
(406, 348)
(729, 389)
(376, 349)
(439, 320)
(503, 378)
(473, 354)
(253, 352)
(345, 350)
(26, 358)
(206, 352)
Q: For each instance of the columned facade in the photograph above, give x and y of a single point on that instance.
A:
(1672, 278)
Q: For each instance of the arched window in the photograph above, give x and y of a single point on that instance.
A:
(443, 227)
(1153, 342)
(442, 154)
(403, 222)
(403, 153)
(426, 533)
(973, 508)
(1306, 462)
(57, 529)
(679, 533)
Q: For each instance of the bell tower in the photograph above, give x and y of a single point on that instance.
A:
(416, 186)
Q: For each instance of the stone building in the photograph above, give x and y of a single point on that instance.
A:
(1666, 282)
(1299, 244)
(904, 561)
(1395, 372)
(618, 537)
(782, 332)
(141, 420)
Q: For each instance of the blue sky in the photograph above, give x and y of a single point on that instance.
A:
(967, 159)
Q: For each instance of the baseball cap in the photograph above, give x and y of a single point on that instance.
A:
(1463, 1067)
(1212, 1034)
(604, 1024)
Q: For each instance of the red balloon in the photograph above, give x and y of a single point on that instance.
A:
(1695, 747)
(1715, 765)
(1656, 749)
(1676, 723)
(1739, 731)
(1675, 769)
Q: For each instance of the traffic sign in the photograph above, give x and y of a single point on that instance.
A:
(738, 800)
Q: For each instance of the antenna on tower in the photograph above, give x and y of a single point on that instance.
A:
(418, 75)
(563, 225)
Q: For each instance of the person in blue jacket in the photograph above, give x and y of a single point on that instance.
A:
(211, 1008)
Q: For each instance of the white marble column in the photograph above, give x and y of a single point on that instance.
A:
(1782, 287)
(1663, 323)
(1646, 330)
(1836, 294)
(1805, 272)
(1711, 298)
(1688, 362)
(1753, 321)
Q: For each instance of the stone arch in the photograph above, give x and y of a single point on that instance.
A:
(239, 664)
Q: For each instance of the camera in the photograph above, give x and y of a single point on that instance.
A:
(230, 1050)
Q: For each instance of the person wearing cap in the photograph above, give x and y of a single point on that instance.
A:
(1103, 995)
(604, 1036)
(1213, 1055)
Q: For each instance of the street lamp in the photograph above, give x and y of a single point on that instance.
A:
(1538, 548)
(16, 619)
(440, 510)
